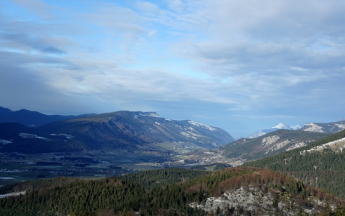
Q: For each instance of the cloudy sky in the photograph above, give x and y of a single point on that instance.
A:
(242, 65)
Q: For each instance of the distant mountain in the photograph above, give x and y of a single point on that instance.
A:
(242, 150)
(277, 127)
(269, 144)
(29, 118)
(261, 133)
(282, 126)
(320, 164)
(332, 127)
(117, 130)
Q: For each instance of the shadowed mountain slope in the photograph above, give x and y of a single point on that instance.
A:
(29, 118)
(123, 129)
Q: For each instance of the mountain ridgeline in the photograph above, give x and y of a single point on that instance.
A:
(332, 127)
(320, 163)
(269, 144)
(30, 118)
(117, 130)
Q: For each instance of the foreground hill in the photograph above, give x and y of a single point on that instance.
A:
(320, 164)
(239, 191)
(29, 118)
(117, 130)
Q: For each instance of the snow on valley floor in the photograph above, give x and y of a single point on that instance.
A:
(12, 194)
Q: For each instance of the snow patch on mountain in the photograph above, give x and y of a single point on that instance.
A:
(191, 135)
(297, 145)
(337, 145)
(5, 142)
(312, 127)
(68, 136)
(12, 194)
(202, 125)
(341, 126)
(149, 114)
(31, 136)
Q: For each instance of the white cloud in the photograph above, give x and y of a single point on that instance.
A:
(147, 6)
(258, 55)
(35, 6)
(152, 33)
(176, 5)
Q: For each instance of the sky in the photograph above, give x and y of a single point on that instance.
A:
(241, 65)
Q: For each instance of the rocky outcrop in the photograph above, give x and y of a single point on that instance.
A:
(332, 127)
(257, 201)
(267, 141)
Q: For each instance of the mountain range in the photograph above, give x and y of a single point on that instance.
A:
(117, 130)
(313, 156)
(31, 118)
(270, 144)
(245, 149)
(332, 127)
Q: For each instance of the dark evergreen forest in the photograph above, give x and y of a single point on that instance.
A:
(324, 170)
(111, 196)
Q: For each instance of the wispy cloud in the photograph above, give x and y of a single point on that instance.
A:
(239, 58)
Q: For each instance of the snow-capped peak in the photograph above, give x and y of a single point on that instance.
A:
(282, 126)
(296, 127)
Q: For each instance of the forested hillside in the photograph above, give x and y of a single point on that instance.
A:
(156, 178)
(269, 144)
(262, 191)
(322, 169)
